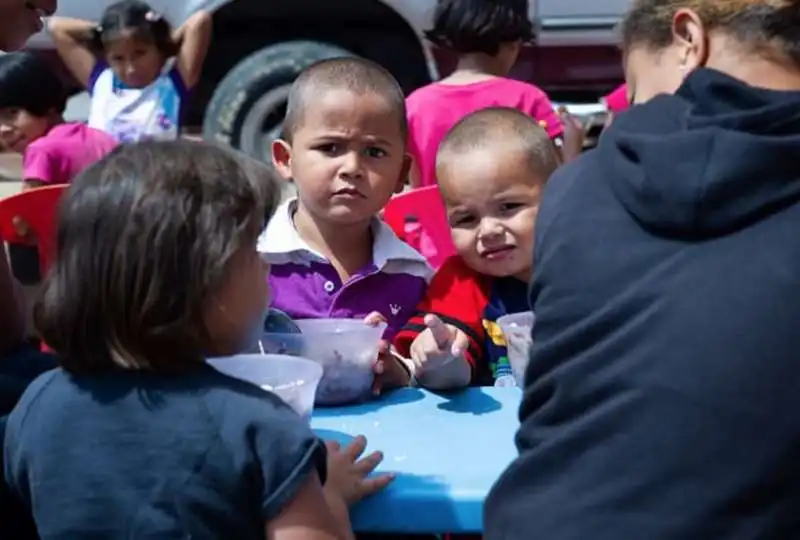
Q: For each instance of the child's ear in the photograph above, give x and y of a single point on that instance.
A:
(401, 183)
(282, 158)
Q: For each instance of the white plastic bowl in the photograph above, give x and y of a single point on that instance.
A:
(517, 330)
(292, 379)
(347, 350)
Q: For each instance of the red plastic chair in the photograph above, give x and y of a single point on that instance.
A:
(418, 217)
(30, 217)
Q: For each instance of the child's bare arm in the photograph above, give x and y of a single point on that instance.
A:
(311, 516)
(193, 39)
(71, 38)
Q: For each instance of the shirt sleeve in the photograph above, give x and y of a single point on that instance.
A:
(541, 108)
(97, 70)
(273, 447)
(457, 296)
(39, 164)
(175, 76)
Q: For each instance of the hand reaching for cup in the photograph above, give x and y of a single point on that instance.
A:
(437, 345)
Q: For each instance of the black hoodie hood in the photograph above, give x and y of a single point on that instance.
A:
(712, 158)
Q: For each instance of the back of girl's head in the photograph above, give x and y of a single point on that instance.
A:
(480, 26)
(137, 18)
(145, 238)
(758, 23)
(28, 82)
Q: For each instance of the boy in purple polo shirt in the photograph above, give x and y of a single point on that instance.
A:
(344, 146)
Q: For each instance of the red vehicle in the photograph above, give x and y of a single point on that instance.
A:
(260, 46)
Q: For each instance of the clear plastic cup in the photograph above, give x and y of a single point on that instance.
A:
(292, 379)
(517, 330)
(347, 350)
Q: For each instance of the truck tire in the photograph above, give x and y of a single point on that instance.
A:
(247, 108)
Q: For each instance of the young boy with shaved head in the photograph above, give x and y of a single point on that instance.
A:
(491, 168)
(344, 146)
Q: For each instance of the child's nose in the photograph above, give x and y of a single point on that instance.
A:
(490, 227)
(351, 165)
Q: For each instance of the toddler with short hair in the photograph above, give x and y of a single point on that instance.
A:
(492, 168)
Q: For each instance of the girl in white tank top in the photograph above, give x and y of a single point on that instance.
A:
(137, 70)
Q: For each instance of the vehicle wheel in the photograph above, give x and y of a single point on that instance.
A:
(247, 108)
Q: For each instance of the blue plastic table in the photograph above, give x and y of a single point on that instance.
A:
(447, 450)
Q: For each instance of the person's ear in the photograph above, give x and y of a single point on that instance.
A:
(282, 158)
(401, 182)
(691, 37)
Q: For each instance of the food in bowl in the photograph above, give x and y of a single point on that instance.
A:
(347, 350)
(517, 329)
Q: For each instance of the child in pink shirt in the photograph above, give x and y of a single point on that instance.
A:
(487, 36)
(32, 102)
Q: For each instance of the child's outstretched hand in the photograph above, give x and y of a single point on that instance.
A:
(437, 345)
(388, 371)
(348, 472)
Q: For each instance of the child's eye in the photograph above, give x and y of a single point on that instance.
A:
(375, 152)
(508, 208)
(328, 148)
(462, 221)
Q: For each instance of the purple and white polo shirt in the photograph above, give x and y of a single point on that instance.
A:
(305, 285)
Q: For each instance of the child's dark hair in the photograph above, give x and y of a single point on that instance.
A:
(137, 17)
(144, 241)
(762, 24)
(357, 75)
(29, 83)
(500, 126)
(480, 26)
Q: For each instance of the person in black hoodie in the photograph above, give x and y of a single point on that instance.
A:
(663, 394)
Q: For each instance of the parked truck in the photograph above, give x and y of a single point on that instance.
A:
(260, 46)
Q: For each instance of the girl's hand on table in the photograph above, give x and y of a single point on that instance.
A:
(348, 472)
(437, 345)
(389, 372)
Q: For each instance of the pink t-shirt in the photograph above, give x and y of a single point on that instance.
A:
(65, 151)
(434, 109)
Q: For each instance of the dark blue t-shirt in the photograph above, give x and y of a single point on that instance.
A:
(140, 455)
(18, 368)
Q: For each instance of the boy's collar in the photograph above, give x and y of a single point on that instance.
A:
(280, 237)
